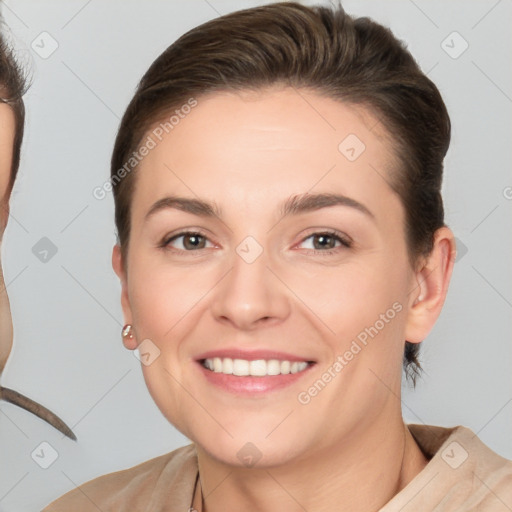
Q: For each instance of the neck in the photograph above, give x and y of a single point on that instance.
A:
(361, 474)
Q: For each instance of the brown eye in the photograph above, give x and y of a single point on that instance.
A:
(328, 241)
(322, 241)
(190, 241)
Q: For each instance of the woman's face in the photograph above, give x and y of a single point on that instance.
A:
(270, 285)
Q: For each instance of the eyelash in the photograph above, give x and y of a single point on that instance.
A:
(345, 241)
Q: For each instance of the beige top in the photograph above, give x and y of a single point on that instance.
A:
(462, 474)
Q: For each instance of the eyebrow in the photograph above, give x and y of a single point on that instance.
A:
(294, 205)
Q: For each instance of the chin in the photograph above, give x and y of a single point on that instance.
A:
(246, 454)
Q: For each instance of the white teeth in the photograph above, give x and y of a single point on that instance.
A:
(240, 367)
(217, 364)
(227, 366)
(256, 368)
(285, 367)
(273, 367)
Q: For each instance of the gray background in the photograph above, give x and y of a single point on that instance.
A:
(68, 353)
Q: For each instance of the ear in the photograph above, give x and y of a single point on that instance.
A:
(118, 265)
(432, 281)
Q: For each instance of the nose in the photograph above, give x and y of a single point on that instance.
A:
(251, 294)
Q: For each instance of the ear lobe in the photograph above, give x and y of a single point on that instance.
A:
(433, 279)
(129, 342)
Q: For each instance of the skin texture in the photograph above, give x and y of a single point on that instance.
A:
(348, 449)
(7, 130)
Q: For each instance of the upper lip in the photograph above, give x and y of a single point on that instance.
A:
(252, 355)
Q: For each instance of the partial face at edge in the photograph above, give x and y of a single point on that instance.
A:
(304, 294)
(7, 131)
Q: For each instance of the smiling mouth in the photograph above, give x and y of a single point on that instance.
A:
(254, 368)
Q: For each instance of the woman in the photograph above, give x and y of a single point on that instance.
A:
(12, 118)
(282, 251)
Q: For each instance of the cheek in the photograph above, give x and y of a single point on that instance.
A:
(350, 296)
(363, 305)
(379, 303)
(165, 302)
(164, 297)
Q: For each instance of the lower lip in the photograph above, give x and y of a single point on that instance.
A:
(252, 385)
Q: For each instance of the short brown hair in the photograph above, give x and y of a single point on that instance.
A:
(354, 60)
(13, 85)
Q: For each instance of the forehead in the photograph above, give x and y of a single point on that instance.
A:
(282, 138)
(269, 116)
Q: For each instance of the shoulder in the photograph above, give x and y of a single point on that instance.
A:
(491, 474)
(172, 475)
(471, 475)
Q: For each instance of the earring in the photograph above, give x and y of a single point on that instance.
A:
(127, 331)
